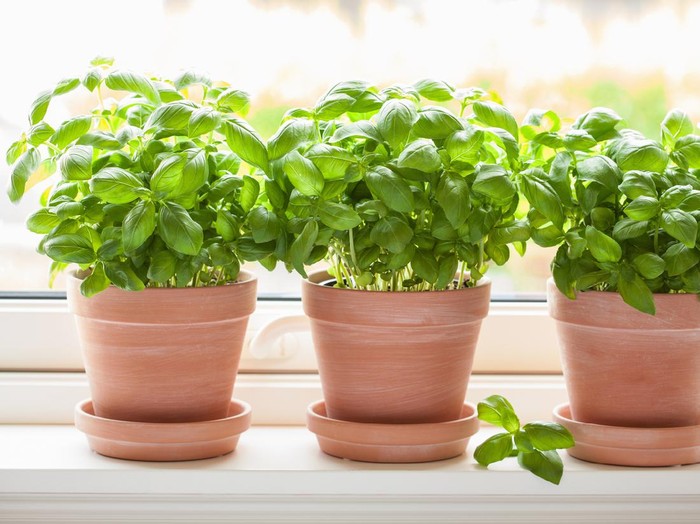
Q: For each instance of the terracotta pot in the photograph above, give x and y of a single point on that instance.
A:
(627, 368)
(394, 357)
(163, 354)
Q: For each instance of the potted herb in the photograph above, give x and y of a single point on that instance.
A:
(624, 211)
(149, 204)
(407, 204)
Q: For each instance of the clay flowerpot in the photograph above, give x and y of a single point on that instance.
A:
(394, 358)
(163, 354)
(627, 368)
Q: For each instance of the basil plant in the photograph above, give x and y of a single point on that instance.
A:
(394, 194)
(623, 208)
(148, 192)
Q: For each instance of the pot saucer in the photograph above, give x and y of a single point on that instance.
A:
(626, 446)
(391, 443)
(171, 441)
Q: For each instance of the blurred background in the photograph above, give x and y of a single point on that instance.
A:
(640, 57)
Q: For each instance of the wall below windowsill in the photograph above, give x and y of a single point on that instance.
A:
(278, 474)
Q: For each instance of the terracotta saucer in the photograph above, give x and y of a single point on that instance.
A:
(173, 441)
(625, 446)
(394, 443)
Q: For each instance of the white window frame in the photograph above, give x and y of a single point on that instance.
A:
(41, 376)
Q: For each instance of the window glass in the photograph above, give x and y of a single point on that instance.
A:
(638, 56)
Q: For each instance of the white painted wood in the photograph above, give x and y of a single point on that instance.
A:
(39, 335)
(49, 398)
(277, 474)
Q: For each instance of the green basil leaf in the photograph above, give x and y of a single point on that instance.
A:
(361, 129)
(100, 140)
(71, 130)
(628, 228)
(226, 225)
(599, 122)
(435, 90)
(15, 151)
(138, 225)
(638, 183)
(518, 231)
(340, 217)
(292, 134)
(421, 155)
(332, 161)
(76, 163)
(391, 233)
(542, 196)
(547, 436)
(39, 133)
(635, 292)
(465, 145)
(38, 109)
(245, 142)
(390, 188)
(264, 225)
(602, 247)
(435, 122)
(495, 115)
(202, 121)
(42, 221)
(70, 248)
(578, 140)
(301, 248)
(494, 449)
(177, 229)
(116, 185)
(66, 86)
(643, 208)
(679, 259)
(447, 269)
(649, 265)
(642, 155)
(333, 105)
(498, 411)
(680, 225)
(453, 196)
(676, 124)
(188, 78)
(25, 166)
(687, 148)
(95, 282)
(173, 115)
(545, 464)
(303, 174)
(133, 83)
(600, 169)
(162, 266)
(425, 265)
(493, 181)
(123, 276)
(249, 193)
(234, 100)
(92, 79)
(395, 120)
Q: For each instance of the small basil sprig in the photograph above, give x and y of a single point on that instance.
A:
(394, 194)
(624, 209)
(535, 444)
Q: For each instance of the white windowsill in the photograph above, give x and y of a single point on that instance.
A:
(278, 474)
